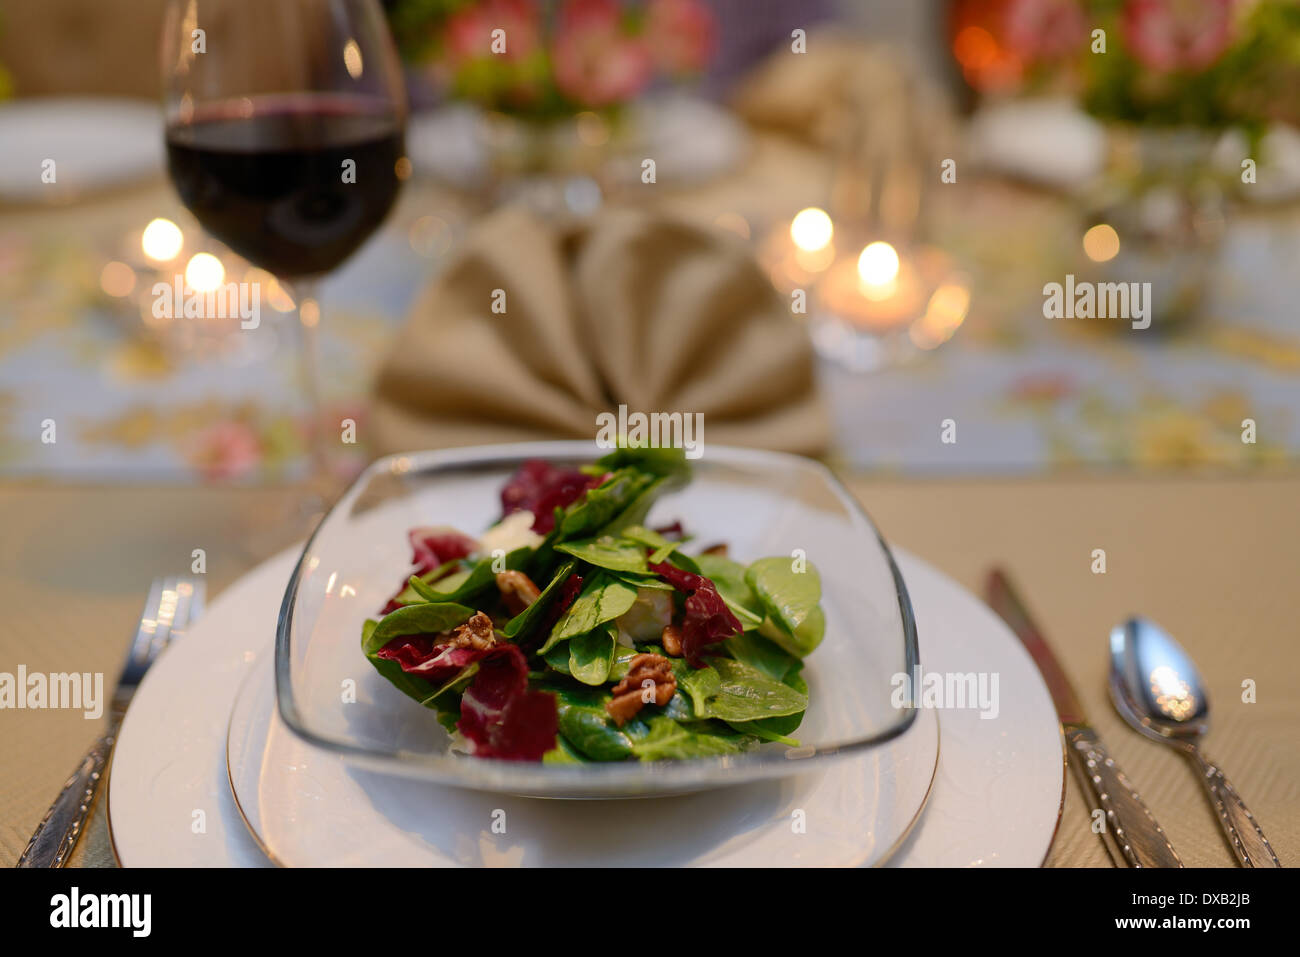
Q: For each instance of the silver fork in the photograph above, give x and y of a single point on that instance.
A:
(172, 604)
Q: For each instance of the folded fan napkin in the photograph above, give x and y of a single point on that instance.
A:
(629, 308)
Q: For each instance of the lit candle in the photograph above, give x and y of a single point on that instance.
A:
(879, 291)
(794, 257)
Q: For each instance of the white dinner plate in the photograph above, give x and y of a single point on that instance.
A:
(995, 800)
(95, 143)
(692, 140)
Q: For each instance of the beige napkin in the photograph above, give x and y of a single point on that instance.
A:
(846, 87)
(630, 308)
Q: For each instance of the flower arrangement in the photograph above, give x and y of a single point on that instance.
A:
(548, 60)
(1191, 63)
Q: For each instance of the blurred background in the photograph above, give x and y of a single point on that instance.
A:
(906, 176)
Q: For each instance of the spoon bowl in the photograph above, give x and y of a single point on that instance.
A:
(1155, 685)
(1156, 688)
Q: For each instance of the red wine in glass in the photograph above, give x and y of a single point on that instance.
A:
(295, 183)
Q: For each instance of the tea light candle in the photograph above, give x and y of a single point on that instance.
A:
(879, 290)
(795, 255)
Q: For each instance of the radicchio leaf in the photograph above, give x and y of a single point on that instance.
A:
(708, 620)
(540, 487)
(500, 717)
(431, 547)
(674, 532)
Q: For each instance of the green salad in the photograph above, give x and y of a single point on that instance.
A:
(571, 632)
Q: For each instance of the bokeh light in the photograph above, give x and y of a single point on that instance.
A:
(811, 229)
(204, 273)
(1101, 243)
(878, 264)
(162, 240)
(117, 279)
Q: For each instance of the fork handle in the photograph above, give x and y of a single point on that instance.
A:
(1131, 828)
(1243, 832)
(56, 835)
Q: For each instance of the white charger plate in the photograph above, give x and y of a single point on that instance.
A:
(996, 797)
(95, 142)
(309, 808)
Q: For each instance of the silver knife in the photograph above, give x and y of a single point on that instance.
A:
(172, 604)
(1132, 835)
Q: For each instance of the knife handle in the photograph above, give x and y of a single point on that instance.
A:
(1140, 840)
(57, 834)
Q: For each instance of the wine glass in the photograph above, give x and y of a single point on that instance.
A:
(285, 128)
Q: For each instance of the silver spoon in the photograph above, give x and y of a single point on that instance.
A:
(1157, 689)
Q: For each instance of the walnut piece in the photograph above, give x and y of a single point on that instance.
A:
(517, 590)
(672, 641)
(718, 549)
(649, 680)
(476, 633)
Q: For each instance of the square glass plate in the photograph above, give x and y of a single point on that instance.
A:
(759, 503)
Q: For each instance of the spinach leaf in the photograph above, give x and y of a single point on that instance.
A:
(638, 508)
(609, 553)
(737, 692)
(758, 652)
(593, 732)
(667, 461)
(794, 619)
(563, 753)
(759, 730)
(592, 655)
(784, 724)
(651, 539)
(603, 599)
(520, 625)
(602, 504)
(667, 739)
(457, 586)
(586, 725)
(419, 619)
(653, 582)
(622, 663)
(409, 595)
(410, 685)
(803, 640)
(729, 577)
(679, 708)
(558, 658)
(458, 684)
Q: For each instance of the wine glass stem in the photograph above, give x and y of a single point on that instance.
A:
(309, 315)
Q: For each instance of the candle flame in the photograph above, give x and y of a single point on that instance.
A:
(162, 240)
(811, 229)
(204, 273)
(878, 264)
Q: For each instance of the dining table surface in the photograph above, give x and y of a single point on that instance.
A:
(1212, 557)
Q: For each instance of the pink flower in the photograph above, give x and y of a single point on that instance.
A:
(468, 35)
(682, 35)
(1038, 30)
(225, 450)
(1169, 35)
(596, 63)
(593, 15)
